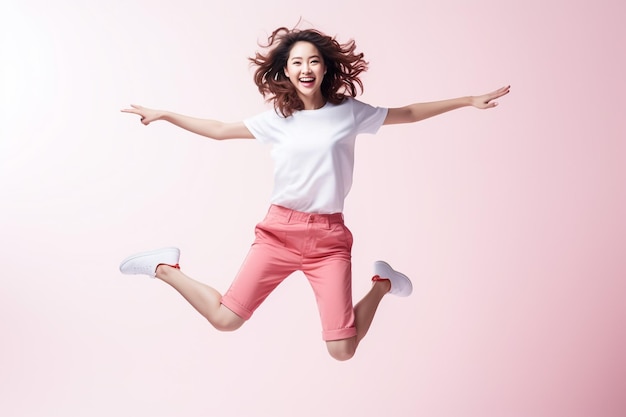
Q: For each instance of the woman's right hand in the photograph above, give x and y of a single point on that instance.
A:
(212, 129)
(147, 115)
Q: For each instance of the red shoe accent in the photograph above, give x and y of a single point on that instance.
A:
(173, 266)
(377, 278)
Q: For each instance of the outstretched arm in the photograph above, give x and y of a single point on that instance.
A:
(420, 111)
(210, 128)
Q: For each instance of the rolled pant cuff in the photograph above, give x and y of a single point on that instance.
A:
(339, 334)
(236, 308)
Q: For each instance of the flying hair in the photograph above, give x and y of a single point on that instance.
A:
(343, 67)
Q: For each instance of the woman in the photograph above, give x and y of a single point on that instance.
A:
(312, 80)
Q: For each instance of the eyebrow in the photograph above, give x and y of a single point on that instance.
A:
(311, 57)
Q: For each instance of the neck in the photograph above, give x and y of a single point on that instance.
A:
(313, 103)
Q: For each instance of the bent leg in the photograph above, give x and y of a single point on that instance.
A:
(331, 281)
(344, 325)
(365, 309)
(364, 312)
(206, 300)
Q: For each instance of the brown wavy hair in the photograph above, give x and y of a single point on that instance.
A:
(343, 67)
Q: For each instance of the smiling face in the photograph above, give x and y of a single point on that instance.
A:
(305, 69)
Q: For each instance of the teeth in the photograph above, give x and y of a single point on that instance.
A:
(306, 80)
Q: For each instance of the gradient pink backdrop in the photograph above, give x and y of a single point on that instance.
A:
(511, 222)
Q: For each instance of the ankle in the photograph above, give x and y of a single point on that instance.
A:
(383, 283)
(163, 270)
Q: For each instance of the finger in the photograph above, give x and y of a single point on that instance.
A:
(497, 94)
(504, 90)
(135, 108)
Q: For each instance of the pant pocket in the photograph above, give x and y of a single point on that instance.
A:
(265, 233)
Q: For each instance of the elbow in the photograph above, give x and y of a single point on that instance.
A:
(218, 132)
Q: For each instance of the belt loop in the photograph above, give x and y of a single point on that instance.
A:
(289, 214)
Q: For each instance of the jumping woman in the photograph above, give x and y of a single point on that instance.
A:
(312, 81)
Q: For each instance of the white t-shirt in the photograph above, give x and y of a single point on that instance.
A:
(313, 152)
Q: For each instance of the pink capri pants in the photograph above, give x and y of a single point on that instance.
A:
(286, 241)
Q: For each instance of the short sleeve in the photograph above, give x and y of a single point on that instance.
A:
(262, 126)
(368, 118)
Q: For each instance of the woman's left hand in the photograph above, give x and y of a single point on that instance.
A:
(486, 100)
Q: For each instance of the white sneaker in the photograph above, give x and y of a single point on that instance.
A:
(146, 262)
(400, 283)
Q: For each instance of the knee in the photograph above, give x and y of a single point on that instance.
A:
(227, 324)
(342, 356)
(342, 350)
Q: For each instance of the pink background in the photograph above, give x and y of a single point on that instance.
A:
(510, 221)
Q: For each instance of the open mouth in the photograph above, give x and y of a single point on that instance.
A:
(307, 80)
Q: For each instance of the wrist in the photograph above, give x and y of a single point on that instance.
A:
(164, 115)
